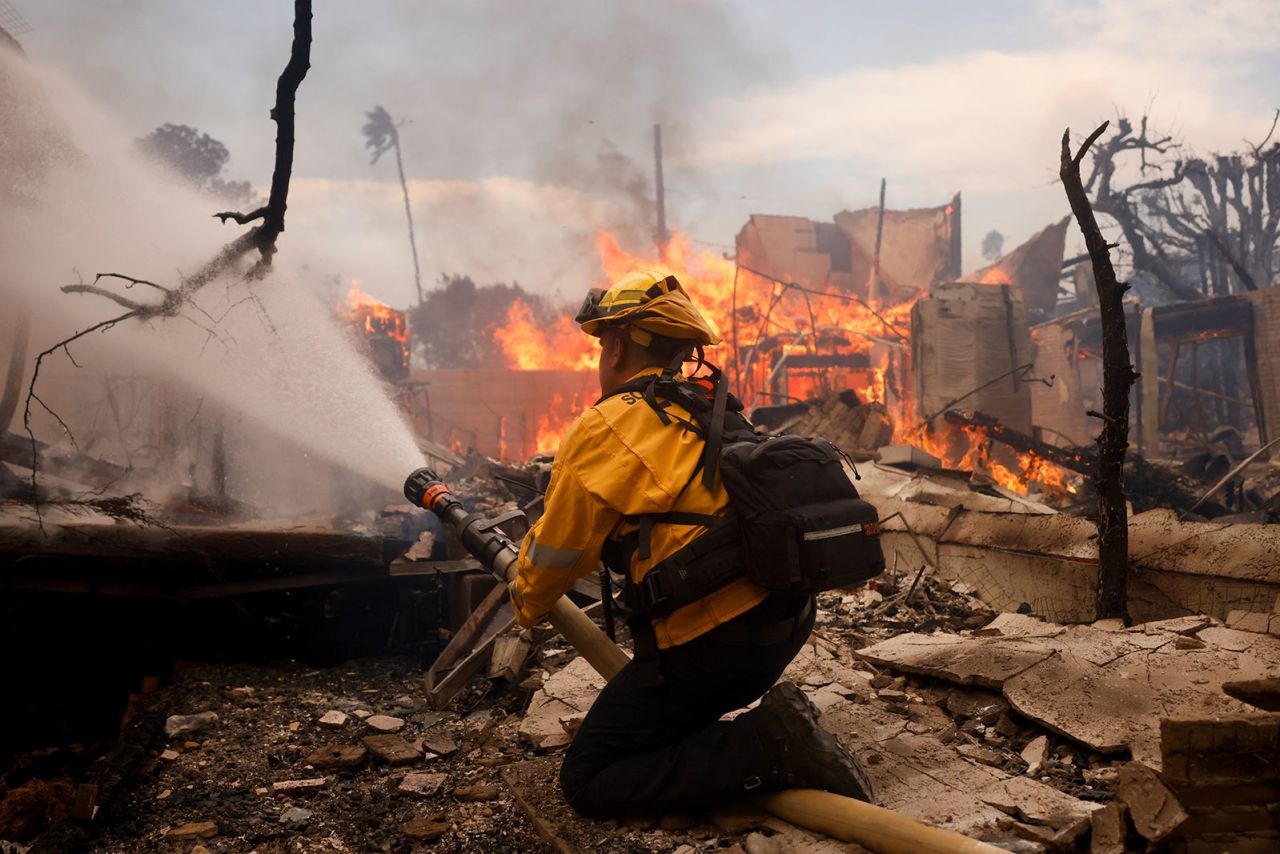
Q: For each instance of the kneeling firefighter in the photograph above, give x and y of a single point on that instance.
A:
(722, 536)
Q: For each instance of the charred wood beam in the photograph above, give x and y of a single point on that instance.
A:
(1079, 460)
(1118, 377)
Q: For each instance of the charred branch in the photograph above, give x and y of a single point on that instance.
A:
(283, 115)
(1246, 278)
(1079, 460)
(1118, 377)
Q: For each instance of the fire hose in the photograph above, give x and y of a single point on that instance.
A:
(846, 819)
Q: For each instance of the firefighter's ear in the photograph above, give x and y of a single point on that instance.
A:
(613, 349)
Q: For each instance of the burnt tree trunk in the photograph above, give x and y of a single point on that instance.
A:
(1118, 377)
(17, 364)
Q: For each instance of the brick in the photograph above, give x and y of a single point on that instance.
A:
(1248, 739)
(1256, 767)
(1219, 842)
(1210, 797)
(1201, 739)
(1175, 770)
(1247, 820)
(1268, 733)
(1175, 737)
(1224, 737)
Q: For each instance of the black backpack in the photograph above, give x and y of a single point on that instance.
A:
(796, 522)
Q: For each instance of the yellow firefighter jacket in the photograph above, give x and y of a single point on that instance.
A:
(619, 460)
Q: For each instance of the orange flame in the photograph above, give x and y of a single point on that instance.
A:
(375, 318)
(759, 320)
(995, 276)
(530, 348)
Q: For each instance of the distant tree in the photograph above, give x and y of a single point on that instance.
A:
(1197, 226)
(381, 136)
(993, 246)
(197, 157)
(453, 325)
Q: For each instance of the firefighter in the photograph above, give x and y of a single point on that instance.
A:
(653, 742)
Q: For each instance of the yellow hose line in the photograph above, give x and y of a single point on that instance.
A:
(872, 827)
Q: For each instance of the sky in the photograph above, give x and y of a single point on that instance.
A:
(527, 125)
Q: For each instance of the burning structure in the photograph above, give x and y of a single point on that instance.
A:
(965, 398)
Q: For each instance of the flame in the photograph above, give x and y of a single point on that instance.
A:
(530, 348)
(967, 448)
(376, 318)
(759, 320)
(995, 276)
(555, 422)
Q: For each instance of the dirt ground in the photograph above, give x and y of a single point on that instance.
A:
(268, 776)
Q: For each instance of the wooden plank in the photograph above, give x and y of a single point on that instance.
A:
(442, 693)
(467, 636)
(400, 567)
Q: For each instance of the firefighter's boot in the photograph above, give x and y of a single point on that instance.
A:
(799, 755)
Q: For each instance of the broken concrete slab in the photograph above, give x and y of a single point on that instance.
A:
(1034, 803)
(333, 719)
(392, 749)
(1153, 806)
(569, 691)
(919, 776)
(1035, 753)
(1105, 687)
(441, 744)
(988, 661)
(425, 784)
(385, 723)
(1109, 829)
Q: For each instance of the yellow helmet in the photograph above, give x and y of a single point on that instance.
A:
(646, 303)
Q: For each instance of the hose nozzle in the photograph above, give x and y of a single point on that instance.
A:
(425, 489)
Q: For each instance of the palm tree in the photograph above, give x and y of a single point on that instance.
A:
(380, 136)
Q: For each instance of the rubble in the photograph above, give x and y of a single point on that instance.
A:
(1105, 687)
(337, 755)
(176, 725)
(333, 718)
(420, 783)
(392, 749)
(1153, 806)
(384, 723)
(194, 830)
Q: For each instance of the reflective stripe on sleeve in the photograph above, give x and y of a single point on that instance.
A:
(551, 557)
(828, 533)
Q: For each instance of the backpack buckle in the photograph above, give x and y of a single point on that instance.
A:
(653, 591)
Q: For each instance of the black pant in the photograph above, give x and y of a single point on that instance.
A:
(664, 750)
